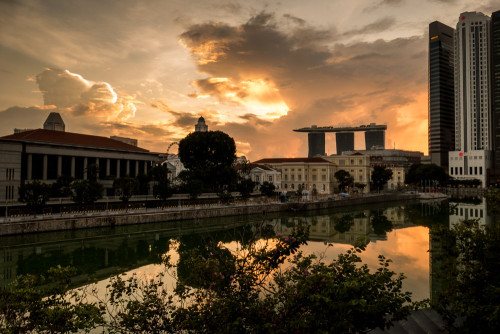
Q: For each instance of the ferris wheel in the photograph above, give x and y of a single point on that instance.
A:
(169, 146)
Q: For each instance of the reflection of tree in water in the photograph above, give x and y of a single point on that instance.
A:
(344, 223)
(380, 224)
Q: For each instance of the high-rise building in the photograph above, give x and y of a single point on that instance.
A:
(495, 89)
(473, 155)
(441, 93)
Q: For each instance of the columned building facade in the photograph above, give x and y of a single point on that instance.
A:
(47, 154)
(473, 114)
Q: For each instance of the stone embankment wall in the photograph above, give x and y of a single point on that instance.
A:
(111, 220)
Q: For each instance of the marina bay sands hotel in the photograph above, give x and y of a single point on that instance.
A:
(374, 137)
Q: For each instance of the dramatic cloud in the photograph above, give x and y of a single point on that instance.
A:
(377, 26)
(72, 94)
(23, 118)
(342, 84)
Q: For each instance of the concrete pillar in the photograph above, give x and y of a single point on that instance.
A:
(118, 168)
(59, 165)
(44, 171)
(30, 167)
(73, 167)
(145, 167)
(98, 168)
(85, 171)
(136, 168)
(128, 168)
(108, 167)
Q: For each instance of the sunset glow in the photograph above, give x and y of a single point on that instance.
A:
(254, 70)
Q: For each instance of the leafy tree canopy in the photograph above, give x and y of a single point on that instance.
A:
(200, 150)
(126, 187)
(267, 188)
(344, 179)
(35, 194)
(424, 172)
(380, 176)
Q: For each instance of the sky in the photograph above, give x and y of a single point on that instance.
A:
(253, 69)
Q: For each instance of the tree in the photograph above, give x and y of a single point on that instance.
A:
(42, 304)
(200, 150)
(35, 194)
(472, 279)
(240, 290)
(380, 224)
(246, 187)
(344, 179)
(209, 157)
(423, 172)
(86, 191)
(125, 187)
(360, 186)
(62, 186)
(144, 180)
(161, 183)
(267, 188)
(380, 177)
(344, 224)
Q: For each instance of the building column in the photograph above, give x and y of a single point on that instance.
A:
(118, 168)
(73, 167)
(146, 167)
(108, 166)
(44, 171)
(98, 171)
(128, 168)
(30, 167)
(136, 168)
(59, 165)
(85, 171)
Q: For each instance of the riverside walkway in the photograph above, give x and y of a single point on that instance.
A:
(23, 224)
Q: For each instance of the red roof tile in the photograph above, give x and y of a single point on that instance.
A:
(283, 160)
(69, 138)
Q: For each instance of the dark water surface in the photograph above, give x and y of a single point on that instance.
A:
(400, 231)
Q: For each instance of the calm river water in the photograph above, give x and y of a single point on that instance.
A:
(400, 231)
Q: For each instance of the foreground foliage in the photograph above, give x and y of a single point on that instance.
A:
(263, 286)
(470, 300)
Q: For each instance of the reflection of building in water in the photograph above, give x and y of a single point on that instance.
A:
(322, 228)
(396, 215)
(90, 251)
(464, 211)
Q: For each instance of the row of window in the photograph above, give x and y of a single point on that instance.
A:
(472, 170)
(9, 173)
(473, 213)
(9, 192)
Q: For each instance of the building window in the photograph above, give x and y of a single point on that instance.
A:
(257, 178)
(323, 177)
(271, 178)
(300, 177)
(314, 177)
(293, 186)
(480, 170)
(324, 187)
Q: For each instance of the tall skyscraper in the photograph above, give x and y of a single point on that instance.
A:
(473, 155)
(441, 93)
(495, 89)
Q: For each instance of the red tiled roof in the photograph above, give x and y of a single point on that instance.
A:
(283, 160)
(69, 138)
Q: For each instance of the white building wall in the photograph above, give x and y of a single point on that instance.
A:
(473, 117)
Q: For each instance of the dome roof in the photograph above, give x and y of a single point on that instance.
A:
(201, 119)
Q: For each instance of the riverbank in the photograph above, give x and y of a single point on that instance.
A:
(26, 225)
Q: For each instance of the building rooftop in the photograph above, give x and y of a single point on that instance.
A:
(73, 139)
(283, 160)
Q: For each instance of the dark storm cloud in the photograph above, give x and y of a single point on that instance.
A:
(375, 27)
(184, 120)
(23, 118)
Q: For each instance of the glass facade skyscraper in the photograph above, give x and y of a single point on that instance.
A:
(441, 93)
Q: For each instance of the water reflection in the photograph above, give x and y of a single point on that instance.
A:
(402, 232)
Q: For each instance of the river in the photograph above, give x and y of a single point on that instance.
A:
(399, 231)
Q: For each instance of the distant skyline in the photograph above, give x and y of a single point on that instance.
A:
(255, 70)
